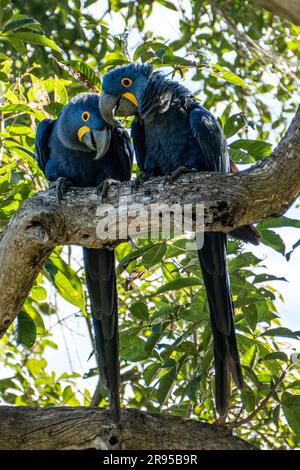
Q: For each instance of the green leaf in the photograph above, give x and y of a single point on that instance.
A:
(26, 330)
(7, 383)
(168, 363)
(251, 315)
(227, 75)
(273, 240)
(282, 332)
(187, 347)
(54, 108)
(36, 366)
(132, 256)
(132, 348)
(17, 44)
(165, 386)
(265, 311)
(295, 384)
(240, 156)
(256, 148)
(66, 281)
(4, 56)
(242, 260)
(69, 398)
(30, 309)
(5, 66)
(33, 38)
(113, 59)
(234, 124)
(22, 21)
(179, 284)
(156, 335)
(288, 255)
(150, 372)
(83, 72)
(149, 49)
(154, 255)
(15, 108)
(193, 387)
(291, 409)
(197, 311)
(87, 3)
(250, 355)
(172, 59)
(139, 310)
(279, 222)
(3, 3)
(277, 356)
(167, 4)
(56, 86)
(251, 375)
(248, 398)
(5, 14)
(267, 278)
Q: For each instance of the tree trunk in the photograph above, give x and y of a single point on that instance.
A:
(78, 428)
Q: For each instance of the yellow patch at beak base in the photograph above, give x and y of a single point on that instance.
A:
(131, 97)
(82, 131)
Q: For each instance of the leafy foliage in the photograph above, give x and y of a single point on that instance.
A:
(47, 55)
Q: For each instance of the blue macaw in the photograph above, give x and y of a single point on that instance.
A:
(172, 133)
(80, 149)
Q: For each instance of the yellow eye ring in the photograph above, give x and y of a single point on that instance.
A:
(85, 116)
(126, 82)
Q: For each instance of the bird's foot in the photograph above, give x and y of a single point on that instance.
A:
(103, 188)
(140, 179)
(181, 170)
(221, 420)
(61, 185)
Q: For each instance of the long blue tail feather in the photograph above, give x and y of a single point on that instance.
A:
(101, 283)
(213, 264)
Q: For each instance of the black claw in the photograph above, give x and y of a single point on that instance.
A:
(61, 185)
(103, 188)
(166, 179)
(140, 179)
(51, 184)
(181, 170)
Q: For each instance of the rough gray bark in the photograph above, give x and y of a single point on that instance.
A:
(288, 9)
(264, 191)
(80, 428)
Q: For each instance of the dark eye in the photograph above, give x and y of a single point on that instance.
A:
(126, 82)
(85, 116)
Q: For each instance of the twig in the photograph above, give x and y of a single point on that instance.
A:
(1, 139)
(261, 405)
(97, 396)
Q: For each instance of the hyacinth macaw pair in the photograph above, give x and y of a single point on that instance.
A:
(171, 133)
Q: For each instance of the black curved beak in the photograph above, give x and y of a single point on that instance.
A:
(126, 108)
(125, 105)
(97, 140)
(107, 104)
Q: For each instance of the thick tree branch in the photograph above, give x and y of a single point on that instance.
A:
(80, 428)
(253, 47)
(266, 190)
(288, 9)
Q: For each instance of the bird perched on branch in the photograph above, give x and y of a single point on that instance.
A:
(80, 149)
(172, 133)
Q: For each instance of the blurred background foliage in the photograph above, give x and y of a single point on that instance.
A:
(243, 60)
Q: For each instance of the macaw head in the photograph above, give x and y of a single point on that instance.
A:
(80, 126)
(125, 91)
